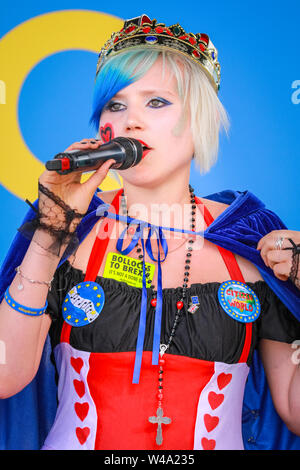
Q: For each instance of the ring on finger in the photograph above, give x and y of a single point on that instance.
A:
(278, 243)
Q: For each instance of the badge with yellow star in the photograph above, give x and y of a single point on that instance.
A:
(83, 303)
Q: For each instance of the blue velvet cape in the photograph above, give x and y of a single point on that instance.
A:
(26, 418)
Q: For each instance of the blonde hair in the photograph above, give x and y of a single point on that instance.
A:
(207, 114)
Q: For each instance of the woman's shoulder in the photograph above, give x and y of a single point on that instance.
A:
(215, 208)
(248, 269)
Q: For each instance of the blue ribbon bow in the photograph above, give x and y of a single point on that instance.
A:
(161, 242)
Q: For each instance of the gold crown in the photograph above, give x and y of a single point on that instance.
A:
(142, 31)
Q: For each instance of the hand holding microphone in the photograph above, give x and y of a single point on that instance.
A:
(63, 174)
(126, 152)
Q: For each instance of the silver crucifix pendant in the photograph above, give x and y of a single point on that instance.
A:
(159, 419)
(162, 349)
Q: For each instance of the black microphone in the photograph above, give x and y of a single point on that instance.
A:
(127, 152)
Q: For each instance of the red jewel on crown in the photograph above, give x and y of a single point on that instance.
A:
(204, 38)
(192, 41)
(145, 19)
(131, 28)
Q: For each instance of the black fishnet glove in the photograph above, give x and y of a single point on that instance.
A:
(295, 262)
(56, 218)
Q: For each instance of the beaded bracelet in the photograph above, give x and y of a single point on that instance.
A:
(34, 312)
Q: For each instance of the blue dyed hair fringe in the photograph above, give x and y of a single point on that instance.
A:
(116, 74)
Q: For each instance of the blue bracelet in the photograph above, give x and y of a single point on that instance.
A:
(34, 312)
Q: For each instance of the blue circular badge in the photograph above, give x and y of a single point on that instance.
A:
(239, 301)
(83, 303)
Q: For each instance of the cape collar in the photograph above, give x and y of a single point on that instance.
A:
(240, 204)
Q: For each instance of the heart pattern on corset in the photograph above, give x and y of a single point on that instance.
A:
(82, 434)
(79, 387)
(223, 380)
(215, 400)
(210, 422)
(208, 444)
(77, 364)
(82, 410)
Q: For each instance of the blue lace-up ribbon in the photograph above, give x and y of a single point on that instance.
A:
(153, 230)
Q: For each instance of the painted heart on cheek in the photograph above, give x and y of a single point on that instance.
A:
(107, 132)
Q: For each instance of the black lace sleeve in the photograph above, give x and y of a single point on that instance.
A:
(56, 218)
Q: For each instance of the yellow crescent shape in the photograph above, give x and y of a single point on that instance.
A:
(21, 49)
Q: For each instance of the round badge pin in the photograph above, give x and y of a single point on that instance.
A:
(239, 301)
(83, 303)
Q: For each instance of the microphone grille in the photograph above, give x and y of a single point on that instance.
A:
(133, 150)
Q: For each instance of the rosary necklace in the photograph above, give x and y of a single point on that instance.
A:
(159, 419)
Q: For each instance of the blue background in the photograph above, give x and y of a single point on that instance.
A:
(258, 44)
